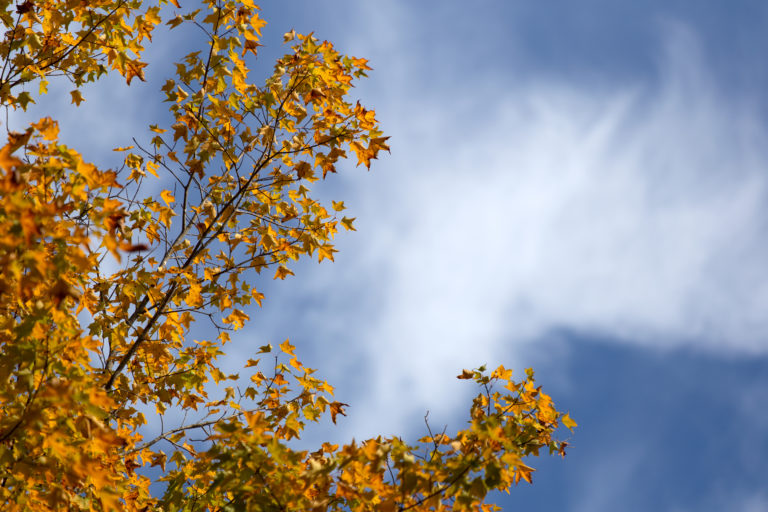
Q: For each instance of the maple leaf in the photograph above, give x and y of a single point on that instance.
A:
(325, 252)
(251, 46)
(568, 422)
(167, 197)
(303, 170)
(287, 347)
(24, 99)
(336, 409)
(77, 97)
(347, 223)
(179, 131)
(283, 272)
(134, 69)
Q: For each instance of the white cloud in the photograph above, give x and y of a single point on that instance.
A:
(634, 212)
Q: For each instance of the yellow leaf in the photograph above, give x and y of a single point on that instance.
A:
(237, 319)
(568, 422)
(325, 252)
(152, 168)
(165, 215)
(193, 298)
(167, 196)
(523, 472)
(287, 347)
(501, 373)
(347, 223)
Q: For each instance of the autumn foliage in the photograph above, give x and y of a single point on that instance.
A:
(87, 344)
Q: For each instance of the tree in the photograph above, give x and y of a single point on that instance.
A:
(84, 349)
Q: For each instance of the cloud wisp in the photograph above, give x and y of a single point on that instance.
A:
(633, 212)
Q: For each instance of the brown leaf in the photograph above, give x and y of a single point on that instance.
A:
(336, 409)
(25, 7)
(61, 290)
(127, 247)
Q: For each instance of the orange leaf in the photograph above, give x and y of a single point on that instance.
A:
(287, 347)
(167, 197)
(135, 69)
(283, 272)
(336, 409)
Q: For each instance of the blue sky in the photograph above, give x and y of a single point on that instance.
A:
(574, 186)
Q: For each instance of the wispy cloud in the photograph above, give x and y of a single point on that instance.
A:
(635, 212)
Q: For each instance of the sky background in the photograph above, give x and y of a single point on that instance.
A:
(579, 187)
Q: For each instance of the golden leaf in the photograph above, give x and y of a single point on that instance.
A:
(167, 197)
(287, 347)
(134, 69)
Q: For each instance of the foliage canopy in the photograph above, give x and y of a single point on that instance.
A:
(85, 349)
